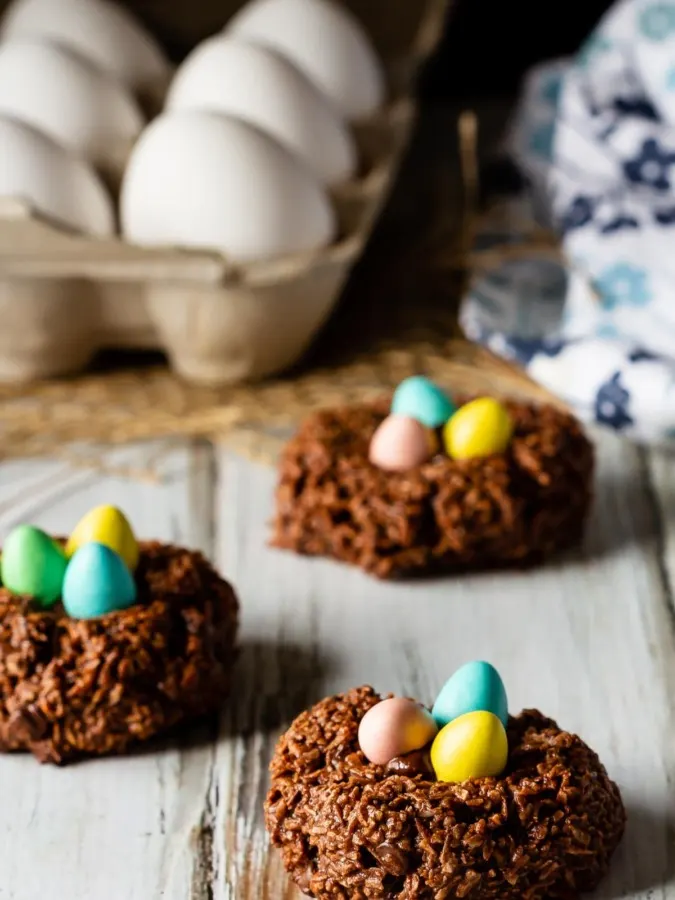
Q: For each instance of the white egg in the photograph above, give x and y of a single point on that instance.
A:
(101, 31)
(208, 181)
(325, 41)
(70, 100)
(54, 182)
(261, 87)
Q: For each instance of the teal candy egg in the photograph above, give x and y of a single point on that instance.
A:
(477, 686)
(33, 564)
(97, 582)
(421, 399)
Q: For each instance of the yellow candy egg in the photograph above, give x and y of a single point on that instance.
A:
(471, 746)
(109, 526)
(479, 428)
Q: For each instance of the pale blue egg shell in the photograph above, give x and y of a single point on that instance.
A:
(97, 582)
(476, 686)
(421, 399)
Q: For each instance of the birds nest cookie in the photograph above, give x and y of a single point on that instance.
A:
(385, 799)
(105, 642)
(420, 485)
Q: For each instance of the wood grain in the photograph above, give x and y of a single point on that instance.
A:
(590, 640)
(118, 828)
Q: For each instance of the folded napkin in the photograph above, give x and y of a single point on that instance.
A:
(595, 139)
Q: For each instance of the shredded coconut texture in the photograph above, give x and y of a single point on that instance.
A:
(72, 687)
(512, 509)
(546, 828)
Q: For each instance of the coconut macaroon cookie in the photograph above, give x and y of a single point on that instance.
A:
(420, 484)
(466, 806)
(104, 641)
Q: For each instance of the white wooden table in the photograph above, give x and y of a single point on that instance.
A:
(589, 640)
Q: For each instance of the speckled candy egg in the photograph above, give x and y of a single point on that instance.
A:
(401, 443)
(97, 582)
(475, 686)
(479, 428)
(106, 525)
(393, 728)
(422, 400)
(33, 564)
(472, 746)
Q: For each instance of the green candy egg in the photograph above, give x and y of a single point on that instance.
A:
(33, 564)
(421, 399)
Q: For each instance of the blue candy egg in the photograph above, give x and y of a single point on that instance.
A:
(477, 686)
(421, 399)
(97, 582)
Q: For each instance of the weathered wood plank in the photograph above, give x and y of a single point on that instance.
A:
(589, 640)
(116, 828)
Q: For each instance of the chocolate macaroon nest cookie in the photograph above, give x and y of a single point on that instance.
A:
(545, 829)
(514, 508)
(71, 688)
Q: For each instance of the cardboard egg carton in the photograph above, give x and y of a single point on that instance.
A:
(64, 296)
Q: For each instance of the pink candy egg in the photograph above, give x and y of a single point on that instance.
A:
(401, 443)
(393, 728)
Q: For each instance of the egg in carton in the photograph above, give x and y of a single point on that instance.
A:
(214, 212)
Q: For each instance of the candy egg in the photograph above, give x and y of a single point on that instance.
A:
(97, 582)
(106, 525)
(475, 686)
(33, 564)
(472, 746)
(479, 428)
(401, 443)
(422, 400)
(393, 728)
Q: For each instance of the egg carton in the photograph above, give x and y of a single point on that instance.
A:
(64, 296)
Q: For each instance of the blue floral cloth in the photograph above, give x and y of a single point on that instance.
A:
(595, 139)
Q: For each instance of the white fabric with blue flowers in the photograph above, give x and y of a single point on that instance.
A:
(595, 138)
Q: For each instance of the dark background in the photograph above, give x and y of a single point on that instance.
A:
(490, 43)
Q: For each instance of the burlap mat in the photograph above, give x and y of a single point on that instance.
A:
(398, 318)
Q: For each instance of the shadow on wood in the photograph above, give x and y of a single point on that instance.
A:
(645, 860)
(273, 683)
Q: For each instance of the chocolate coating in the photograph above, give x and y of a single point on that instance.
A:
(515, 508)
(546, 828)
(71, 687)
